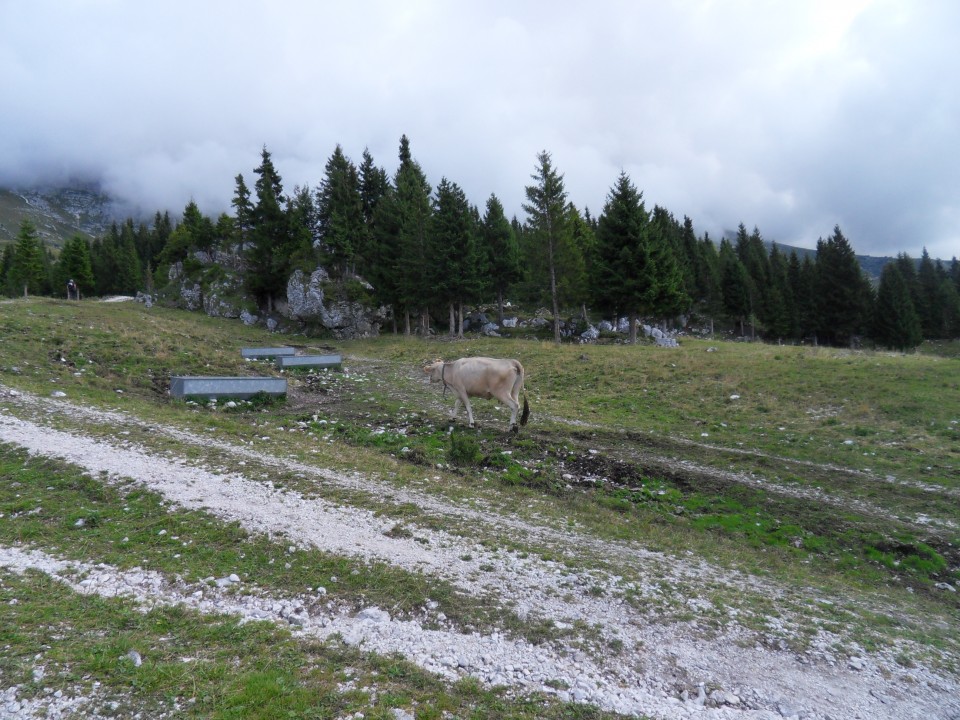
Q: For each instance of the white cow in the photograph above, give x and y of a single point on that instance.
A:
(482, 377)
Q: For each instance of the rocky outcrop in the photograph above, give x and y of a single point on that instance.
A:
(215, 285)
(308, 301)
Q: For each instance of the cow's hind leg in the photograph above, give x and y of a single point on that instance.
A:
(514, 409)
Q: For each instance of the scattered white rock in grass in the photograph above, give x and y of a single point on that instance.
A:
(135, 658)
(734, 397)
(58, 394)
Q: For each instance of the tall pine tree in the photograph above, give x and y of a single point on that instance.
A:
(895, 321)
(457, 265)
(414, 210)
(546, 208)
(340, 212)
(267, 255)
(27, 272)
(843, 291)
(625, 273)
(502, 250)
(74, 264)
(242, 212)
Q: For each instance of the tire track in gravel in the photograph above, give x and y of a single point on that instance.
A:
(657, 658)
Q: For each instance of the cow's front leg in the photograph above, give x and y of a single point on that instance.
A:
(456, 409)
(466, 402)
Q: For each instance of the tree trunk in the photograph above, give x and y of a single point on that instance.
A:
(553, 296)
(460, 321)
(633, 328)
(406, 322)
(500, 306)
(453, 320)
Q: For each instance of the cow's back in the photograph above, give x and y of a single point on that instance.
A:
(484, 376)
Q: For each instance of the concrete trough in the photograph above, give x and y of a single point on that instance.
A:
(330, 362)
(185, 386)
(267, 352)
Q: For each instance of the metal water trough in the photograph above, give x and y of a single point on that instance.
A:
(332, 362)
(225, 387)
(267, 352)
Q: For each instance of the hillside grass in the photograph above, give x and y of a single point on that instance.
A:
(817, 467)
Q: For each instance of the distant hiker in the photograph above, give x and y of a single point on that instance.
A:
(73, 292)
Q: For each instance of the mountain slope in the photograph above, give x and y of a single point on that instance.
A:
(58, 213)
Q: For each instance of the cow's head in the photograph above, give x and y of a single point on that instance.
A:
(434, 370)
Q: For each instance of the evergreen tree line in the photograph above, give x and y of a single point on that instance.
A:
(431, 255)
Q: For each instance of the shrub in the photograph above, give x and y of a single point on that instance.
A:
(464, 450)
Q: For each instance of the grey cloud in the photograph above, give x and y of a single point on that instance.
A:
(791, 117)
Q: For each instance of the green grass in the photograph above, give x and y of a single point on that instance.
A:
(211, 666)
(811, 466)
(220, 664)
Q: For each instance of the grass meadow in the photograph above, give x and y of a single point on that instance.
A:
(823, 469)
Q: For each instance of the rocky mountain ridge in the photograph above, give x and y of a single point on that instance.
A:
(58, 212)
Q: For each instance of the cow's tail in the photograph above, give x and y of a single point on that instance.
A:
(518, 388)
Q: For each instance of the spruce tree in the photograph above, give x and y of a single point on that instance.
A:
(802, 275)
(626, 276)
(735, 285)
(412, 263)
(74, 264)
(753, 254)
(499, 241)
(689, 251)
(781, 307)
(576, 260)
(929, 309)
(6, 262)
(340, 215)
(843, 292)
(456, 263)
(374, 186)
(27, 273)
(302, 229)
(242, 212)
(669, 297)
(129, 273)
(895, 321)
(708, 286)
(546, 209)
(948, 299)
(383, 249)
(269, 236)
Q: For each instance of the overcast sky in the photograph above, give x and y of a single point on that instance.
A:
(789, 115)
